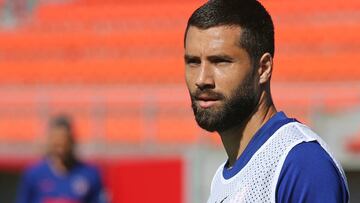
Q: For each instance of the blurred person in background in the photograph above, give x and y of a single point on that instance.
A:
(229, 51)
(60, 177)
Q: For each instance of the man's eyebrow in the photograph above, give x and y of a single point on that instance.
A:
(220, 57)
(189, 57)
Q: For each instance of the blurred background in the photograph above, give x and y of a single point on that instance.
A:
(116, 66)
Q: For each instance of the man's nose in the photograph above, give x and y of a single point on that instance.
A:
(205, 79)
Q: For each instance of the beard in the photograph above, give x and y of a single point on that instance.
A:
(233, 111)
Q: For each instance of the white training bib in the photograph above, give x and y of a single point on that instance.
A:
(257, 181)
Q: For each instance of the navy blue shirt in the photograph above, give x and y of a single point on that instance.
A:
(308, 174)
(40, 184)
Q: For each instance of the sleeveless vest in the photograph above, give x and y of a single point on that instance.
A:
(257, 181)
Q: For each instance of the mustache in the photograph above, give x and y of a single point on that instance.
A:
(208, 93)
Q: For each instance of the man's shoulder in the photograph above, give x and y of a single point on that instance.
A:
(38, 166)
(88, 169)
(310, 160)
(309, 154)
(309, 171)
(35, 170)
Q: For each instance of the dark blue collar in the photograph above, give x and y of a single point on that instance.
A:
(260, 137)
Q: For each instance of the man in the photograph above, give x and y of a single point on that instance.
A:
(60, 177)
(229, 51)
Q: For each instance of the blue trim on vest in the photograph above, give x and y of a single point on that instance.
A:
(260, 137)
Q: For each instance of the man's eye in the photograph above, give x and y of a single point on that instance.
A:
(221, 61)
(193, 62)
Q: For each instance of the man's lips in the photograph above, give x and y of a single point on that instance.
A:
(205, 101)
(207, 104)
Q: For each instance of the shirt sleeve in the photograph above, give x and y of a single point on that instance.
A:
(310, 175)
(25, 189)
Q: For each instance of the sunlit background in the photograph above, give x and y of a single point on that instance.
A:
(116, 67)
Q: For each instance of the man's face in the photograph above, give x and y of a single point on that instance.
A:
(60, 144)
(220, 77)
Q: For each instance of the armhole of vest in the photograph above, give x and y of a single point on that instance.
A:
(283, 158)
(279, 168)
(324, 145)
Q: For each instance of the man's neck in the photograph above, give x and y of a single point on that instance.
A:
(235, 140)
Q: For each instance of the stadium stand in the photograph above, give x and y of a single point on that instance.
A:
(76, 38)
(139, 42)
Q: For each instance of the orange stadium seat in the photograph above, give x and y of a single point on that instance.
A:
(301, 7)
(315, 57)
(25, 42)
(101, 2)
(124, 119)
(311, 67)
(19, 117)
(20, 128)
(94, 71)
(124, 12)
(336, 35)
(176, 128)
(125, 128)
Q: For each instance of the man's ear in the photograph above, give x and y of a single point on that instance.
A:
(265, 68)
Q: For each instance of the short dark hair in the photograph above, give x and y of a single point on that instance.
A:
(257, 26)
(62, 121)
